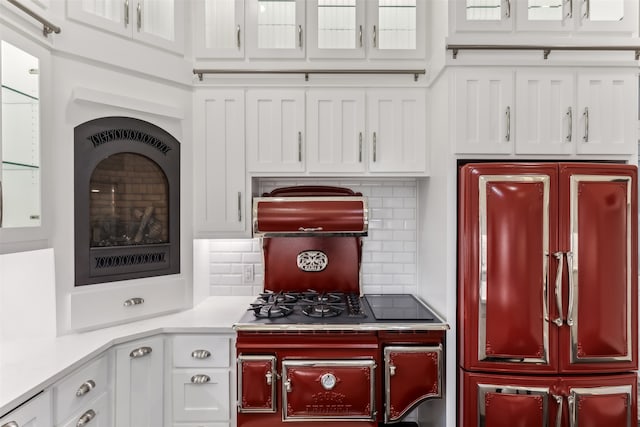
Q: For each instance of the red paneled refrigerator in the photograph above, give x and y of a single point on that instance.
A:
(547, 294)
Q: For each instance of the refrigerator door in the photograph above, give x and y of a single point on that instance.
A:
(507, 239)
(598, 235)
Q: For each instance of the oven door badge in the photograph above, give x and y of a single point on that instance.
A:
(312, 261)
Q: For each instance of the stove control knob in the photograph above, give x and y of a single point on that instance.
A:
(328, 381)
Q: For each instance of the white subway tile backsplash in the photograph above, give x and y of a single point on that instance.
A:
(389, 251)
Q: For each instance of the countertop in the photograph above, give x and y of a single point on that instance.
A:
(29, 366)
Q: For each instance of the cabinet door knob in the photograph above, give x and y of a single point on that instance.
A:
(85, 388)
(200, 354)
(200, 379)
(86, 418)
(140, 352)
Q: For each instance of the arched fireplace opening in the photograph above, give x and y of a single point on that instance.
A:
(127, 193)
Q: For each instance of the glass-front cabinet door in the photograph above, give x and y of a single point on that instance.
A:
(275, 28)
(396, 28)
(336, 28)
(24, 68)
(484, 15)
(219, 28)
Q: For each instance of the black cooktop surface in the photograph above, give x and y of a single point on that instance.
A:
(388, 307)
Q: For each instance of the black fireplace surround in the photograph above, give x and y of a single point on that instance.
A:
(127, 201)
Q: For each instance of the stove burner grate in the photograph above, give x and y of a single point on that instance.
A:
(322, 309)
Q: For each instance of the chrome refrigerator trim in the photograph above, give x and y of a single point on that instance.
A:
(482, 273)
(576, 393)
(484, 389)
(271, 380)
(574, 292)
(389, 372)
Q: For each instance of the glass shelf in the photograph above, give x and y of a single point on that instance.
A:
(12, 96)
(6, 165)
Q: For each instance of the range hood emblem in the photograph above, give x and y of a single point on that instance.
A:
(312, 261)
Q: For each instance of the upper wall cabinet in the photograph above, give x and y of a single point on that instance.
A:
(24, 74)
(275, 28)
(159, 23)
(546, 15)
(219, 28)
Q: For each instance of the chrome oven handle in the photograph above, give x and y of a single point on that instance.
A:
(571, 296)
(558, 290)
(559, 414)
(287, 385)
(310, 229)
(269, 377)
(571, 400)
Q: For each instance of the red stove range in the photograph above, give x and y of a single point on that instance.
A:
(312, 349)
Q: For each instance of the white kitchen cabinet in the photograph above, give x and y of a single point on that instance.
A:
(34, 413)
(276, 28)
(201, 379)
(336, 130)
(483, 15)
(156, 22)
(275, 123)
(139, 386)
(481, 117)
(546, 112)
(97, 413)
(219, 28)
(607, 112)
(336, 28)
(397, 130)
(397, 28)
(219, 159)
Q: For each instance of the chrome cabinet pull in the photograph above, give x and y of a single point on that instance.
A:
(508, 116)
(126, 13)
(86, 418)
(287, 386)
(300, 146)
(133, 301)
(200, 379)
(558, 320)
(570, 118)
(360, 35)
(300, 36)
(238, 36)
(585, 138)
(375, 147)
(360, 147)
(200, 354)
(508, 11)
(140, 352)
(587, 11)
(139, 16)
(85, 388)
(375, 37)
(239, 206)
(570, 273)
(570, 14)
(11, 424)
(559, 414)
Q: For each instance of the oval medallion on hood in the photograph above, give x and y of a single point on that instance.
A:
(312, 261)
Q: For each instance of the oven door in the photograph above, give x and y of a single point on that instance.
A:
(257, 383)
(321, 390)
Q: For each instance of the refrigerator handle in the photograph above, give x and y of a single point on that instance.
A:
(558, 290)
(570, 272)
(559, 413)
(571, 400)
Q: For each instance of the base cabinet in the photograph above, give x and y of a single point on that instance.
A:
(508, 400)
(35, 413)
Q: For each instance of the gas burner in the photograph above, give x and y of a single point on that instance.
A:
(274, 304)
(314, 297)
(322, 309)
(278, 297)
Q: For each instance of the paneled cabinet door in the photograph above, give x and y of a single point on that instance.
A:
(483, 15)
(483, 109)
(335, 130)
(336, 29)
(219, 28)
(219, 156)
(402, 365)
(508, 227)
(160, 23)
(139, 385)
(34, 413)
(275, 130)
(275, 28)
(545, 122)
(598, 241)
(607, 120)
(397, 136)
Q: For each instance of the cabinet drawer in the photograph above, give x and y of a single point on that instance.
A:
(194, 351)
(34, 413)
(80, 387)
(200, 395)
(96, 413)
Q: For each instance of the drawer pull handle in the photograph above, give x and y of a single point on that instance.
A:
(11, 424)
(200, 354)
(133, 301)
(85, 388)
(200, 379)
(86, 418)
(140, 352)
